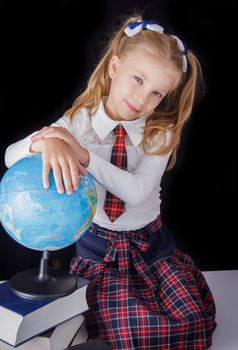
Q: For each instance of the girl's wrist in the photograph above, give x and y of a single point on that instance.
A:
(81, 152)
(83, 156)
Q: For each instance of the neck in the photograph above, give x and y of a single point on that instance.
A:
(110, 114)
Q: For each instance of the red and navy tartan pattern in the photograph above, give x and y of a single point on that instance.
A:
(113, 205)
(165, 306)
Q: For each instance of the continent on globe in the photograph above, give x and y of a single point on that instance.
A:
(43, 219)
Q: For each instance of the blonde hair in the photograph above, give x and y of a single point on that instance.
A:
(175, 108)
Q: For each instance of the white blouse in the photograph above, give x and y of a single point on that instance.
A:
(138, 186)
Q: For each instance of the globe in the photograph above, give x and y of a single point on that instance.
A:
(43, 219)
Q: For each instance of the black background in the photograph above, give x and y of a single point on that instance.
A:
(47, 54)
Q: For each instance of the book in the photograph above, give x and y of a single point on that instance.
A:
(95, 344)
(55, 339)
(22, 319)
(81, 335)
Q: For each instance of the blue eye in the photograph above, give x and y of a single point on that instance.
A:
(138, 79)
(157, 93)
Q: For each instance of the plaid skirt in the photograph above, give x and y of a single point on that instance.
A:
(141, 303)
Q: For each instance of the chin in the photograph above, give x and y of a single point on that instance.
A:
(131, 118)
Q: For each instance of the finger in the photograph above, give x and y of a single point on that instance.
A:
(51, 129)
(39, 134)
(74, 171)
(56, 134)
(66, 174)
(45, 174)
(36, 137)
(82, 170)
(55, 129)
(58, 177)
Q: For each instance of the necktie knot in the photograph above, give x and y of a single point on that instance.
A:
(120, 132)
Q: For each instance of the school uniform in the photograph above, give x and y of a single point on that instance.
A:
(144, 293)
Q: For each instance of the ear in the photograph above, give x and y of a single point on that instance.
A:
(113, 66)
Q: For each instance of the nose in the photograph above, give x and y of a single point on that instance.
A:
(140, 98)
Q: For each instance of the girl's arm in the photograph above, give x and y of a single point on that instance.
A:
(61, 133)
(133, 188)
(18, 150)
(56, 155)
(22, 148)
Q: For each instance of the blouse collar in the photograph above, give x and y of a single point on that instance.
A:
(103, 125)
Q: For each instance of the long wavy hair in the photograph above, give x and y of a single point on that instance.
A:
(175, 108)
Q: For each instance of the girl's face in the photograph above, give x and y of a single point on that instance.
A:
(138, 84)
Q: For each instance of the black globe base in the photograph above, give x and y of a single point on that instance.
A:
(43, 283)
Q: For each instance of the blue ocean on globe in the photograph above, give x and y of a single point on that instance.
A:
(43, 219)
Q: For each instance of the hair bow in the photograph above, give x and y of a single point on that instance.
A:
(135, 27)
(184, 53)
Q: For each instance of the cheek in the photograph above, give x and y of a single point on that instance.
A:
(153, 103)
(123, 84)
(117, 85)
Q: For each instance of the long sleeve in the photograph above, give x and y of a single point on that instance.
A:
(18, 150)
(21, 148)
(135, 187)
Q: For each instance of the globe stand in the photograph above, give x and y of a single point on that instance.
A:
(43, 283)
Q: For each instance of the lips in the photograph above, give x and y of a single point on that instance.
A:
(132, 108)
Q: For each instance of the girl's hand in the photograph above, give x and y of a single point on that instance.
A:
(56, 132)
(59, 157)
(63, 134)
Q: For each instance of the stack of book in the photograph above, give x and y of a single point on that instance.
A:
(27, 324)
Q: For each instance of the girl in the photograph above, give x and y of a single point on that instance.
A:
(125, 129)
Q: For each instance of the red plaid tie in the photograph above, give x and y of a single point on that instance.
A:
(113, 205)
